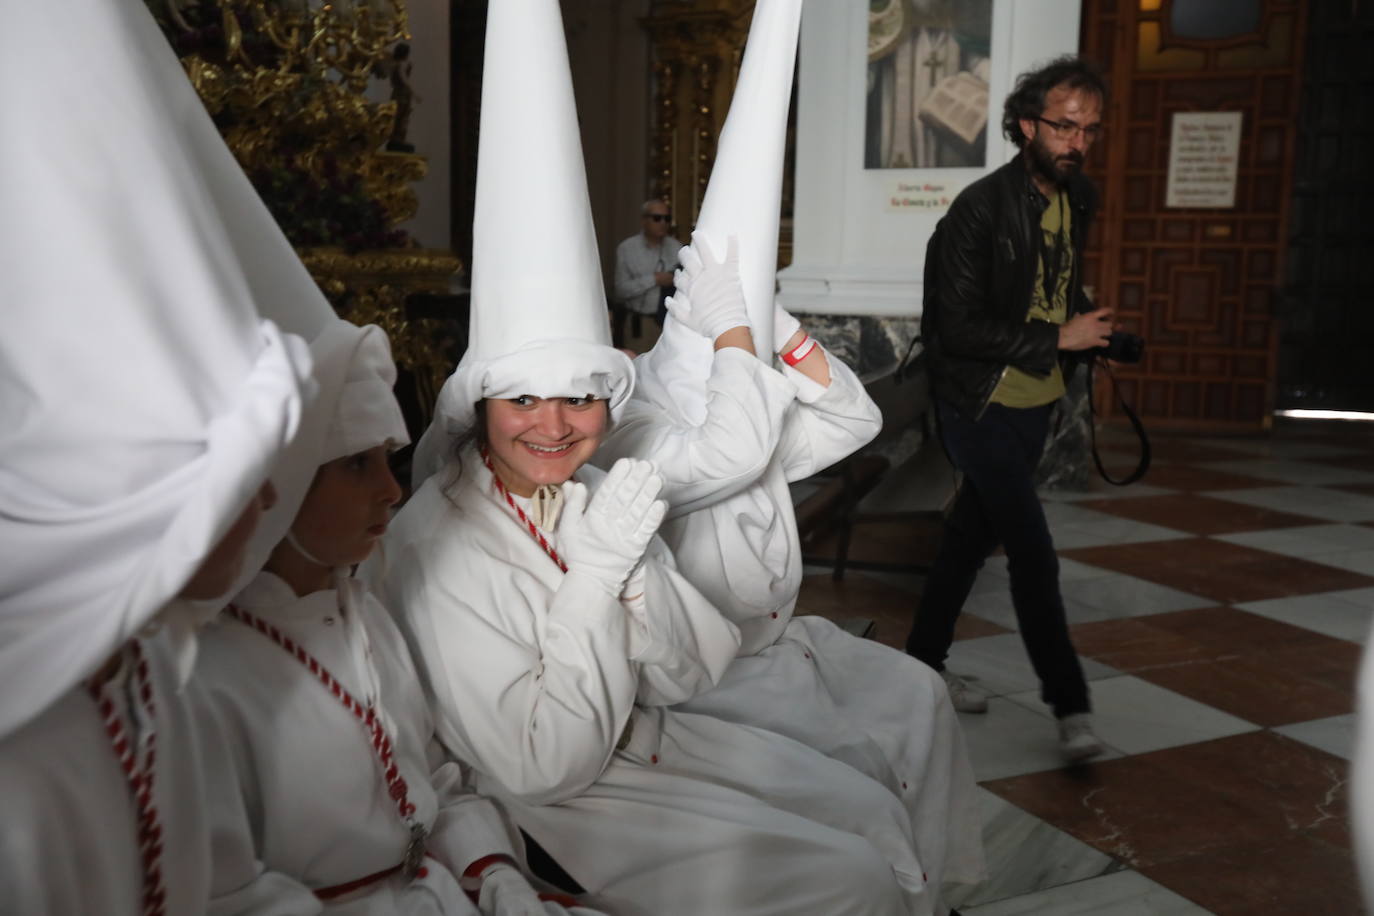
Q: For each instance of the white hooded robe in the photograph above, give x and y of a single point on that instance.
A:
(534, 677)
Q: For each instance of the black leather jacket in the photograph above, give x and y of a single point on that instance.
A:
(979, 282)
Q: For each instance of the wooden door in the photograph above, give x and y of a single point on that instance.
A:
(1200, 285)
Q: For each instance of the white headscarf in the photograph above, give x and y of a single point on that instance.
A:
(538, 326)
(142, 400)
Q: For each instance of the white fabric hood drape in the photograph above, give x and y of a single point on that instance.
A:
(539, 324)
(142, 400)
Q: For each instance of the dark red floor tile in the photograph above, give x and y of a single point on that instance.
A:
(1223, 572)
(890, 608)
(1198, 514)
(1200, 800)
(1294, 874)
(1134, 644)
(1269, 691)
(1180, 476)
(1264, 671)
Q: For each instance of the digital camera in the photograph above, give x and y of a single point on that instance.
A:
(1123, 347)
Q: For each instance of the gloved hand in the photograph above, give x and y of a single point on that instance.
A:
(784, 326)
(708, 297)
(506, 892)
(606, 538)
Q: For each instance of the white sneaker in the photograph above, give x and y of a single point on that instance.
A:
(1076, 738)
(962, 696)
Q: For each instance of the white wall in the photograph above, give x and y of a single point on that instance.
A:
(853, 253)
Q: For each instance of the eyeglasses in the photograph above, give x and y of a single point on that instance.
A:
(1065, 130)
(658, 217)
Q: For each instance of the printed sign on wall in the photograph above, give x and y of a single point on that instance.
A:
(1203, 154)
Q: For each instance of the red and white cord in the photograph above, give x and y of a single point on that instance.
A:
(139, 773)
(520, 513)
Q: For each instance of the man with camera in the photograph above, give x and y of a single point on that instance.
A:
(1005, 322)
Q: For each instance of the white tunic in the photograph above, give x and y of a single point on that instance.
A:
(727, 453)
(534, 676)
(68, 823)
(301, 802)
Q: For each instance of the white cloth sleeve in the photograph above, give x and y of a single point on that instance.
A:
(703, 464)
(467, 826)
(532, 692)
(686, 643)
(831, 422)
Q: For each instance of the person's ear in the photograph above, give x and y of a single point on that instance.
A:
(1028, 126)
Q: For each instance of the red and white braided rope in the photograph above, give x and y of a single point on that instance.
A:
(371, 722)
(138, 774)
(529, 525)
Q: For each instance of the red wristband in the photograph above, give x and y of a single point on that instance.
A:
(800, 352)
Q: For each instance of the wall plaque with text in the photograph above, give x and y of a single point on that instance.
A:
(1203, 154)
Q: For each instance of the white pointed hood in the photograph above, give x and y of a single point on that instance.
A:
(539, 323)
(142, 400)
(744, 195)
(743, 199)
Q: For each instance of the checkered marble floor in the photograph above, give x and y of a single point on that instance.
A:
(1220, 607)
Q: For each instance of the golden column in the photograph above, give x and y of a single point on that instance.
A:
(285, 81)
(696, 49)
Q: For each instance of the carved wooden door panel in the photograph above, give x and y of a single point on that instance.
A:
(1200, 285)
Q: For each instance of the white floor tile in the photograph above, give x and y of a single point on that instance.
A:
(998, 665)
(1357, 561)
(1010, 740)
(1125, 893)
(1302, 473)
(1117, 595)
(1025, 855)
(1281, 448)
(1343, 615)
(1314, 502)
(1335, 735)
(1135, 717)
(1306, 540)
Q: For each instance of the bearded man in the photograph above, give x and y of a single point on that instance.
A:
(1005, 322)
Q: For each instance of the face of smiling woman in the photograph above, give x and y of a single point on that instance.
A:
(536, 441)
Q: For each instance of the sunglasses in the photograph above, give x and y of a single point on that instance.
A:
(658, 217)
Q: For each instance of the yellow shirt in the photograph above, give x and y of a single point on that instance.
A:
(1022, 389)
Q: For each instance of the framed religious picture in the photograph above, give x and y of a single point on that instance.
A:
(927, 89)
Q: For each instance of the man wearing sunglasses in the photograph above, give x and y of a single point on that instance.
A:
(644, 265)
(1005, 323)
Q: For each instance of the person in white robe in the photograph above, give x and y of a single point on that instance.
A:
(288, 680)
(552, 630)
(143, 404)
(729, 432)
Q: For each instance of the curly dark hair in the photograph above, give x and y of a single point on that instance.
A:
(1027, 99)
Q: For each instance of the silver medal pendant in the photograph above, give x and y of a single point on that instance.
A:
(415, 850)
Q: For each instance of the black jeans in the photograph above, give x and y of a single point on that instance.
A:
(997, 504)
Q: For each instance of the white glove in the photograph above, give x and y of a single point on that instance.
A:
(784, 326)
(606, 538)
(506, 892)
(708, 297)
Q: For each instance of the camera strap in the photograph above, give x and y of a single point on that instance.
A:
(1143, 464)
